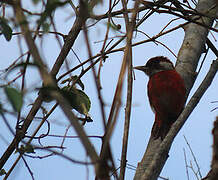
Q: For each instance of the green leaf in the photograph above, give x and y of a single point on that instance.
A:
(15, 98)
(5, 29)
(25, 149)
(2, 172)
(77, 99)
(29, 149)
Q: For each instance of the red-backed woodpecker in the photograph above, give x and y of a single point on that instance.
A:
(166, 93)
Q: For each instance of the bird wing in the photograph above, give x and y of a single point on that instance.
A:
(166, 93)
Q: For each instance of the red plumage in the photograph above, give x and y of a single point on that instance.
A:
(166, 93)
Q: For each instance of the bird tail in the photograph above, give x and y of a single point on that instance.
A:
(160, 129)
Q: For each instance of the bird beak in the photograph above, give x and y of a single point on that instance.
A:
(141, 68)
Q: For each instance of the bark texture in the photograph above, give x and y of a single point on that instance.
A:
(156, 153)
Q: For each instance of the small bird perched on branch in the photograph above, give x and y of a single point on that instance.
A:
(166, 93)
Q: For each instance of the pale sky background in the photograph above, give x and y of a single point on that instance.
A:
(197, 129)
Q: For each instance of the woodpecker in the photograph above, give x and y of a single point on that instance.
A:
(166, 93)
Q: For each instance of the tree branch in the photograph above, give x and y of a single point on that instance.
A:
(195, 37)
(130, 26)
(154, 168)
(70, 39)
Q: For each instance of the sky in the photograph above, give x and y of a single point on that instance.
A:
(197, 129)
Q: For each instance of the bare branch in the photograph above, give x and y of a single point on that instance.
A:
(188, 57)
(130, 25)
(153, 169)
(193, 155)
(65, 50)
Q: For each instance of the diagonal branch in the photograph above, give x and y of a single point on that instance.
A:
(70, 39)
(195, 37)
(154, 168)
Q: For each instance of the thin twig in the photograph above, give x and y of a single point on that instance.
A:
(186, 164)
(193, 155)
(32, 137)
(130, 26)
(27, 166)
(70, 39)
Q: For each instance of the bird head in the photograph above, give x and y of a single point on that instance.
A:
(155, 65)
